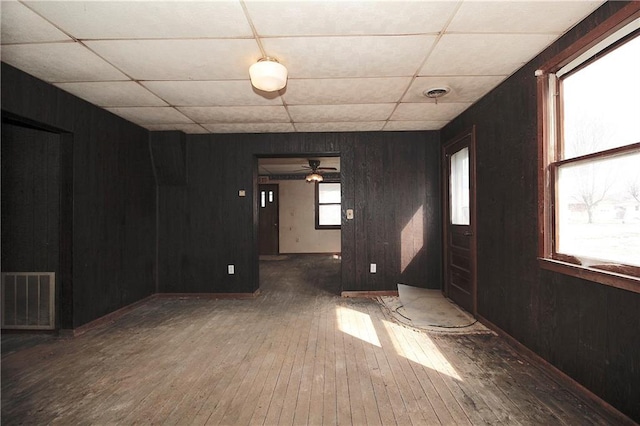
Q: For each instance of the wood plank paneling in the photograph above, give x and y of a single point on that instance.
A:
(578, 326)
(108, 208)
(205, 225)
(169, 157)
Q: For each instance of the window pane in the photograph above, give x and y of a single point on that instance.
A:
(329, 214)
(599, 209)
(328, 193)
(602, 102)
(459, 187)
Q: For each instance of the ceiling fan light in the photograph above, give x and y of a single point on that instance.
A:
(314, 177)
(268, 75)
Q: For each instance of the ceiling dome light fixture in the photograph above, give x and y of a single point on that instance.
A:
(314, 177)
(268, 74)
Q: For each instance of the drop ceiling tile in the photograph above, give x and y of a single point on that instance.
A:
(186, 128)
(60, 62)
(146, 19)
(337, 57)
(348, 18)
(211, 93)
(345, 90)
(521, 16)
(180, 59)
(113, 93)
(336, 113)
(463, 89)
(414, 125)
(236, 114)
(428, 111)
(150, 115)
(360, 126)
(483, 54)
(21, 25)
(250, 127)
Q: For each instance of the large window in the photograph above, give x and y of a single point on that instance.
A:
(328, 208)
(590, 156)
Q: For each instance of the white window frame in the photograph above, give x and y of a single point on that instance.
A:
(318, 204)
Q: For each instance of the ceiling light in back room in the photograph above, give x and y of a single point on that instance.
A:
(268, 75)
(314, 177)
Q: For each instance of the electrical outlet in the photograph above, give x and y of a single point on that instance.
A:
(231, 269)
(373, 268)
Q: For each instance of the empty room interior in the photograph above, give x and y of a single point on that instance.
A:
(320, 212)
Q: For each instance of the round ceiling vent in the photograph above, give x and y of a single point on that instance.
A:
(436, 92)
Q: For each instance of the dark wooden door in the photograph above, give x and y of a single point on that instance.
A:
(268, 219)
(459, 220)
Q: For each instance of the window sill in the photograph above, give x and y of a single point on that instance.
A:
(612, 279)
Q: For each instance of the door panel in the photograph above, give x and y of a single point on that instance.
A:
(268, 219)
(459, 220)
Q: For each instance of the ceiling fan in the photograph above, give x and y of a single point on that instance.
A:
(315, 171)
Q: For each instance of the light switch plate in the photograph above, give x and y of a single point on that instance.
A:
(373, 268)
(231, 269)
(349, 213)
(242, 193)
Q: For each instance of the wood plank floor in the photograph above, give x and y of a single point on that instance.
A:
(298, 354)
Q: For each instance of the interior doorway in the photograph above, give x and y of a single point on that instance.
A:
(459, 205)
(37, 182)
(293, 208)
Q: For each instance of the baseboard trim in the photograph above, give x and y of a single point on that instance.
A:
(105, 319)
(560, 376)
(315, 252)
(369, 294)
(212, 296)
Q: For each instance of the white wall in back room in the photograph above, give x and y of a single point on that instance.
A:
(298, 233)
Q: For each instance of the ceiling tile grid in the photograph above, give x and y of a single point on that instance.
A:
(360, 65)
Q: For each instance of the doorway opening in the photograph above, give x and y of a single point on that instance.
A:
(298, 211)
(37, 176)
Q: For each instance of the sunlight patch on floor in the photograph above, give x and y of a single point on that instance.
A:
(357, 324)
(419, 348)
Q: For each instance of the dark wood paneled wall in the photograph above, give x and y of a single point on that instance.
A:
(112, 202)
(169, 154)
(390, 179)
(588, 330)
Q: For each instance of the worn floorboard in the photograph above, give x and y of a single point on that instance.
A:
(297, 354)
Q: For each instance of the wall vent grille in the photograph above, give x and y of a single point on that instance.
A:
(28, 300)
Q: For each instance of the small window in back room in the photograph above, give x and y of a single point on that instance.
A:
(328, 207)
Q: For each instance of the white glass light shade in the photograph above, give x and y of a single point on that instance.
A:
(268, 75)
(314, 177)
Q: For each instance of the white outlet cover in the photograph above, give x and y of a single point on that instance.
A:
(231, 269)
(372, 268)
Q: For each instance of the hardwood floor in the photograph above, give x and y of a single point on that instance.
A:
(297, 354)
